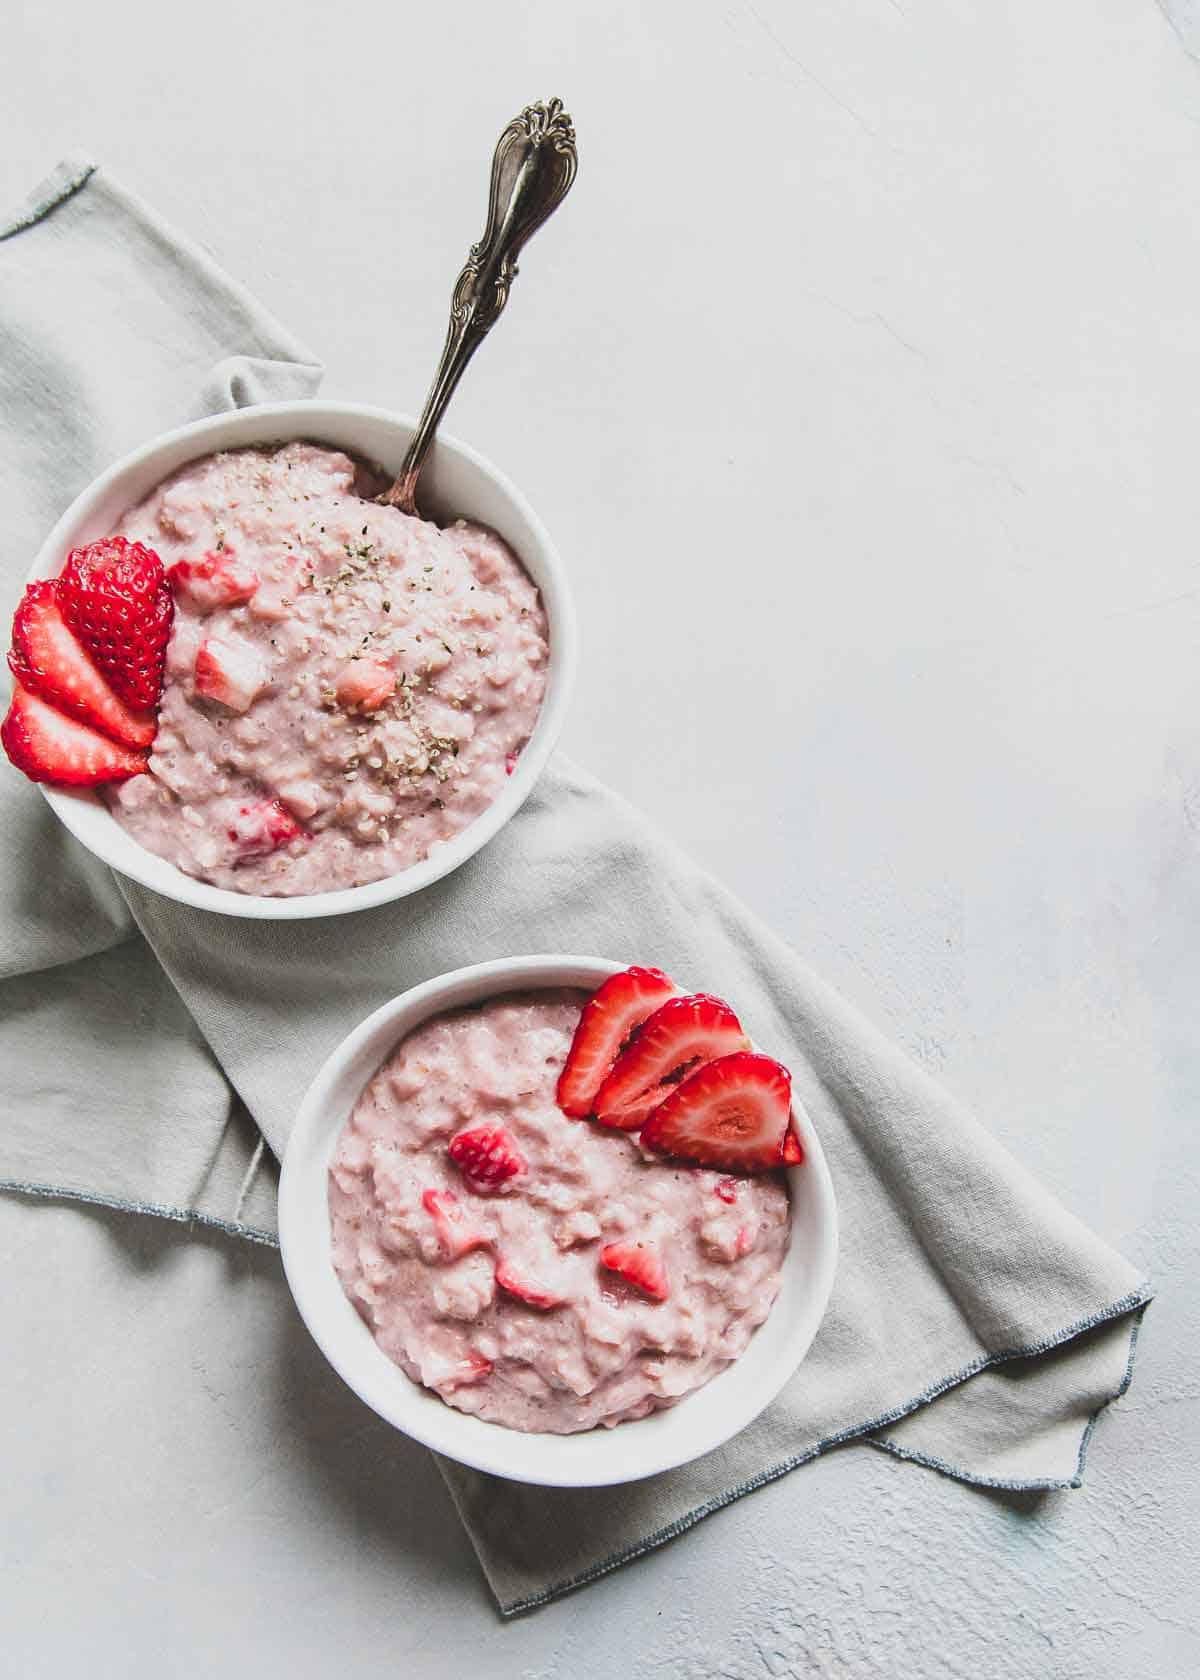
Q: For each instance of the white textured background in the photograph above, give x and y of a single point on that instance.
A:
(859, 381)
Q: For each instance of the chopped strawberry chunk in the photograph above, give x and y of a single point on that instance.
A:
(51, 747)
(229, 671)
(620, 1006)
(487, 1157)
(262, 827)
(115, 597)
(681, 1035)
(218, 580)
(727, 1189)
(441, 1371)
(793, 1149)
(366, 683)
(640, 1264)
(49, 659)
(454, 1234)
(524, 1289)
(733, 1113)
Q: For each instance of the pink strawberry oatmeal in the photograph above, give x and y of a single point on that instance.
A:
(540, 1272)
(346, 686)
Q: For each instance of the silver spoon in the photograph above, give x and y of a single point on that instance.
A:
(532, 171)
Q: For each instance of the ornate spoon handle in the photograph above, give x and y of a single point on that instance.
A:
(532, 171)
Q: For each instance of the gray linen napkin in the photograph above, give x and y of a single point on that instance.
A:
(140, 1037)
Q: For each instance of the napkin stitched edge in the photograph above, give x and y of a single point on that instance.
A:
(931, 1462)
(159, 1210)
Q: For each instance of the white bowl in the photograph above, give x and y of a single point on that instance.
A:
(696, 1425)
(456, 483)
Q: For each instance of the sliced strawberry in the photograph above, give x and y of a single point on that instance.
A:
(487, 1157)
(733, 1113)
(48, 658)
(455, 1235)
(115, 597)
(680, 1036)
(218, 580)
(439, 1370)
(524, 1289)
(229, 671)
(261, 827)
(793, 1149)
(366, 683)
(727, 1189)
(51, 747)
(622, 1003)
(640, 1264)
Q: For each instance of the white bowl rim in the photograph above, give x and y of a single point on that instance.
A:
(595, 1458)
(303, 418)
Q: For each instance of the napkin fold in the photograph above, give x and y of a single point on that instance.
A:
(155, 1055)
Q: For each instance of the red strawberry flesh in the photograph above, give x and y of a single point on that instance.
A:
(639, 1264)
(48, 746)
(525, 1289)
(229, 671)
(48, 658)
(684, 1033)
(613, 1012)
(454, 1233)
(261, 827)
(115, 597)
(731, 1114)
(218, 580)
(487, 1157)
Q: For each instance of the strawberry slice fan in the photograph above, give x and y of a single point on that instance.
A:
(88, 652)
(679, 1067)
(125, 1011)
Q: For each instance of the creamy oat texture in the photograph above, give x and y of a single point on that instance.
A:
(341, 580)
(608, 1353)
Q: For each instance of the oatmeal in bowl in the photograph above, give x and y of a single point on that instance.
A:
(347, 687)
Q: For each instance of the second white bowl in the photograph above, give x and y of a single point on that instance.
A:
(697, 1424)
